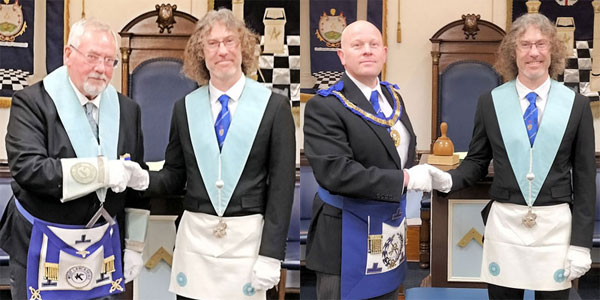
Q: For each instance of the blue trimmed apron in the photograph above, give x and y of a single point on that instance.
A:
(71, 261)
(373, 245)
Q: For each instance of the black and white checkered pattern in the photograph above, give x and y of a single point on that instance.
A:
(281, 71)
(12, 80)
(578, 69)
(326, 78)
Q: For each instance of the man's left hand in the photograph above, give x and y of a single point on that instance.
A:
(578, 262)
(133, 263)
(265, 273)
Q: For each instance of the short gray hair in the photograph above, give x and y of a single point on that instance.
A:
(92, 24)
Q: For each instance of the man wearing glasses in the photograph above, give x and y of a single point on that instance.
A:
(540, 136)
(63, 226)
(232, 147)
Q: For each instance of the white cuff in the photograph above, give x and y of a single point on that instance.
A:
(82, 176)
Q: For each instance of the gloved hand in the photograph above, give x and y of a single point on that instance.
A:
(441, 181)
(132, 262)
(578, 262)
(265, 273)
(139, 179)
(419, 178)
(118, 176)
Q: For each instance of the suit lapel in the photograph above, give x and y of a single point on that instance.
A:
(357, 97)
(406, 122)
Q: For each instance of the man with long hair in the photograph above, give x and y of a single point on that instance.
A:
(232, 147)
(540, 135)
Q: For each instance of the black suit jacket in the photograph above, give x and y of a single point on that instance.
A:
(266, 185)
(351, 157)
(35, 142)
(575, 153)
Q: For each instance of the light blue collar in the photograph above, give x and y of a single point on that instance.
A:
(75, 122)
(228, 164)
(548, 138)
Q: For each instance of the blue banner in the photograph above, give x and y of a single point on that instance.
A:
(16, 45)
(375, 13)
(55, 37)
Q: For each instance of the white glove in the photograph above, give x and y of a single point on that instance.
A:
(578, 262)
(133, 262)
(265, 273)
(118, 176)
(139, 179)
(419, 178)
(441, 181)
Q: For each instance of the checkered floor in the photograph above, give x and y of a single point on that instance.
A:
(281, 72)
(326, 78)
(578, 69)
(12, 81)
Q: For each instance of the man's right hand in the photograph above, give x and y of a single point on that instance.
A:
(118, 176)
(419, 178)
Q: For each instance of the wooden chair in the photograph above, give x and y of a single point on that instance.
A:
(463, 52)
(152, 47)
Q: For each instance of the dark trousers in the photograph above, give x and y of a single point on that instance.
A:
(328, 287)
(496, 292)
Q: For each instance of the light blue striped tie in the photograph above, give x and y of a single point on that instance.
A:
(531, 117)
(223, 120)
(89, 109)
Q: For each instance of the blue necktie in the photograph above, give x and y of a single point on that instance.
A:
(223, 120)
(531, 117)
(375, 102)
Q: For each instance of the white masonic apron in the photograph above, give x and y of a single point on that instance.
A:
(517, 254)
(214, 255)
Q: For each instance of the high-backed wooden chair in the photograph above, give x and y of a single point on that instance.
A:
(152, 47)
(463, 52)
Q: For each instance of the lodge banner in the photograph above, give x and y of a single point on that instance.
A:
(16, 44)
(277, 22)
(574, 20)
(55, 38)
(328, 18)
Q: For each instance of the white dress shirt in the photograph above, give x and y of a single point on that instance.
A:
(542, 92)
(234, 93)
(83, 100)
(387, 110)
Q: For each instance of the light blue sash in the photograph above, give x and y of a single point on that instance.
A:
(237, 145)
(549, 135)
(76, 124)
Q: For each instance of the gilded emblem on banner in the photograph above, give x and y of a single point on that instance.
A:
(331, 27)
(12, 23)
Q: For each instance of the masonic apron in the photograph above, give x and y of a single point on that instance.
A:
(525, 246)
(214, 255)
(71, 261)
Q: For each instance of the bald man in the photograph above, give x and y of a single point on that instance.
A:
(359, 140)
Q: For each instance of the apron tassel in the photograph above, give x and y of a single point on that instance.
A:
(109, 264)
(51, 271)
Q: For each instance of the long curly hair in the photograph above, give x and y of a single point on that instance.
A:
(194, 62)
(506, 58)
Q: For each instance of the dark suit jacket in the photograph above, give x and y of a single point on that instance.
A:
(266, 185)
(35, 142)
(351, 157)
(576, 153)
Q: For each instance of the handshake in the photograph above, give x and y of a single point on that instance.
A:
(427, 177)
(126, 173)
(82, 176)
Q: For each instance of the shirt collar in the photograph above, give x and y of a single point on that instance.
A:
(83, 100)
(542, 91)
(234, 92)
(364, 89)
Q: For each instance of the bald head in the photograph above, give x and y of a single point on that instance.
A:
(362, 53)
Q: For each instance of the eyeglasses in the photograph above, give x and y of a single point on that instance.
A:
(94, 59)
(229, 43)
(540, 45)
